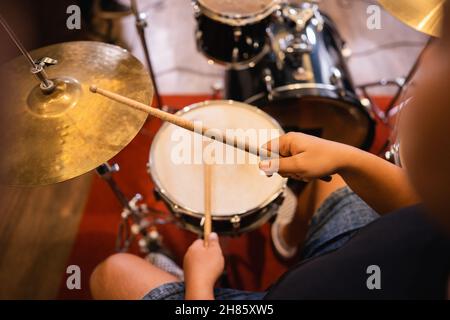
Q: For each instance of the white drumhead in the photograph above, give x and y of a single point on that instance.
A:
(238, 7)
(236, 188)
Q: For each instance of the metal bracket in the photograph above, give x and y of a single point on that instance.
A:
(47, 85)
(236, 221)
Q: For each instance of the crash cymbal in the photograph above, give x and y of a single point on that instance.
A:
(423, 15)
(49, 138)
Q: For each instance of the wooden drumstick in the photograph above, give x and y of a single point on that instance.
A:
(207, 224)
(187, 124)
(179, 121)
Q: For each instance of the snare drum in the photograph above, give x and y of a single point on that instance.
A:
(242, 197)
(233, 32)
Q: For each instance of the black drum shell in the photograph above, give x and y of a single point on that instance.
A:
(324, 58)
(218, 41)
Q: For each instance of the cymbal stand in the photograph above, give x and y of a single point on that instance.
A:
(400, 83)
(141, 24)
(134, 217)
(37, 66)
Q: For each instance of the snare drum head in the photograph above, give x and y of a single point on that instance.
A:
(236, 188)
(238, 7)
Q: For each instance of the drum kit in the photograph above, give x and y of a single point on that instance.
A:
(286, 63)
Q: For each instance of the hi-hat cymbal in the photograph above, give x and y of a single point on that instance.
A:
(52, 138)
(423, 15)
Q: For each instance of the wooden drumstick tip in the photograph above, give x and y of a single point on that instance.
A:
(93, 88)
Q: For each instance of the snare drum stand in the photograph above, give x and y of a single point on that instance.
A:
(134, 222)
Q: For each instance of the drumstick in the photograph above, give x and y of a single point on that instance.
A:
(207, 226)
(178, 121)
(186, 124)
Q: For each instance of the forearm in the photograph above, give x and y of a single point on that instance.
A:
(196, 290)
(382, 185)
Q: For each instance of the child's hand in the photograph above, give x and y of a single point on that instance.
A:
(202, 267)
(306, 157)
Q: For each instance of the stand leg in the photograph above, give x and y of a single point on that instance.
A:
(141, 24)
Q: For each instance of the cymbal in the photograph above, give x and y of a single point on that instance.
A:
(423, 15)
(49, 138)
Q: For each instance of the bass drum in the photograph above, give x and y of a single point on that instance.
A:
(304, 82)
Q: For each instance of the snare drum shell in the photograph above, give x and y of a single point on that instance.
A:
(224, 225)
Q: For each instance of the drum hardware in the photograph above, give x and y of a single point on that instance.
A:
(409, 76)
(217, 90)
(236, 222)
(37, 66)
(269, 83)
(134, 217)
(141, 24)
(301, 74)
(400, 83)
(299, 16)
(336, 80)
(425, 16)
(58, 135)
(381, 114)
(393, 154)
(288, 37)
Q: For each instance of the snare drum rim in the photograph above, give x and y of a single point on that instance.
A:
(189, 211)
(237, 20)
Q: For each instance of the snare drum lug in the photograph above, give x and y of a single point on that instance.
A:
(236, 222)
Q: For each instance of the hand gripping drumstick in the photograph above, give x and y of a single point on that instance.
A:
(186, 124)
